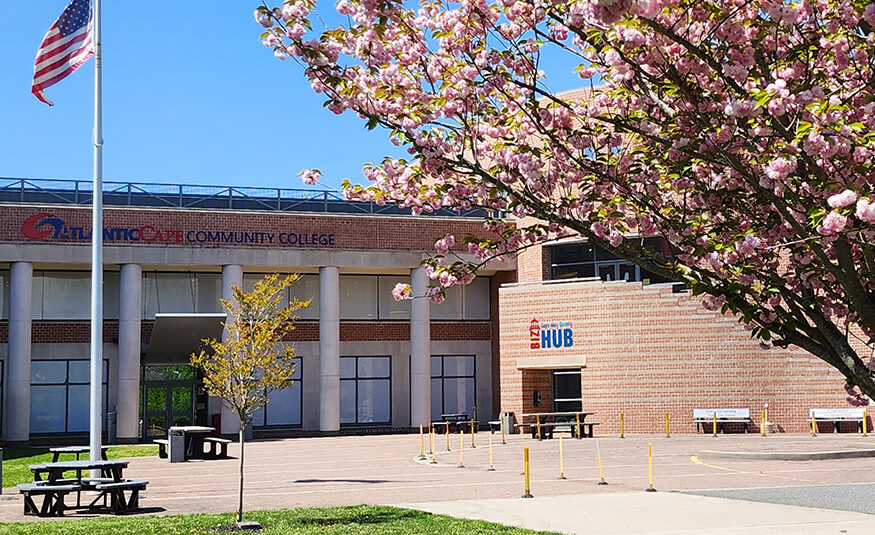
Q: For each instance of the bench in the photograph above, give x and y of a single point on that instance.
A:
(53, 498)
(548, 428)
(218, 447)
(163, 446)
(118, 504)
(724, 416)
(836, 416)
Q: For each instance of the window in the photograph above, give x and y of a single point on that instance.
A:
(365, 390)
(390, 309)
(284, 407)
(60, 396)
(66, 295)
(470, 302)
(566, 391)
(180, 293)
(452, 385)
(4, 294)
(584, 260)
(358, 297)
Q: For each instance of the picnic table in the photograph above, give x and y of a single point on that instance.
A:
(543, 424)
(193, 436)
(77, 450)
(50, 483)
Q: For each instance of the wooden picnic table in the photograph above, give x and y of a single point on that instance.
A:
(77, 450)
(545, 422)
(193, 436)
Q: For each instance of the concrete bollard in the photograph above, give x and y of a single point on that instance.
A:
(528, 491)
(650, 467)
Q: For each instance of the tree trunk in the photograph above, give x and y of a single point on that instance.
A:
(240, 483)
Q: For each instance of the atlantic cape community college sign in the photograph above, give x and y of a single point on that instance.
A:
(47, 226)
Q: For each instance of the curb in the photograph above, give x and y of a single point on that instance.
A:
(787, 455)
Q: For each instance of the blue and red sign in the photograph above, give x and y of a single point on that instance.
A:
(550, 334)
(47, 226)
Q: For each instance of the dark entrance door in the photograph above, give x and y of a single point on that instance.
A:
(168, 398)
(566, 391)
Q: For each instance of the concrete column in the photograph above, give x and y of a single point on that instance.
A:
(231, 275)
(20, 316)
(130, 314)
(420, 350)
(329, 349)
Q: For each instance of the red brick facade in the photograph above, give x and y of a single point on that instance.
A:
(649, 350)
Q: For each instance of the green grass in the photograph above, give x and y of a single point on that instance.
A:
(16, 460)
(360, 519)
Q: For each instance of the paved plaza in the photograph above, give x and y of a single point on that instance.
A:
(702, 493)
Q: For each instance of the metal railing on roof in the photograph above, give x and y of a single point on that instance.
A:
(144, 194)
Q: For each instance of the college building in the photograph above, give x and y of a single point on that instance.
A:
(562, 327)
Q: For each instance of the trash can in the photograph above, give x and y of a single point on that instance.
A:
(176, 441)
(507, 421)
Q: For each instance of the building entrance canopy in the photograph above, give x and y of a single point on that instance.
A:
(176, 336)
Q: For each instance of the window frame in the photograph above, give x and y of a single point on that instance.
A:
(66, 384)
(356, 380)
(443, 377)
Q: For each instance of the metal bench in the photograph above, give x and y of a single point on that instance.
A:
(724, 416)
(218, 447)
(837, 416)
(163, 445)
(53, 498)
(118, 504)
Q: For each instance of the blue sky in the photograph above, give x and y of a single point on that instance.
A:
(190, 96)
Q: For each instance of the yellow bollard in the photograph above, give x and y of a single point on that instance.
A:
(650, 467)
(528, 493)
(448, 437)
(714, 424)
(491, 466)
(667, 432)
(622, 425)
(763, 424)
(538, 420)
(813, 427)
(461, 446)
(865, 415)
(577, 418)
(472, 434)
(503, 441)
(598, 453)
(431, 443)
(561, 460)
(421, 443)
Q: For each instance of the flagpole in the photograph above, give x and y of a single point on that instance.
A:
(97, 254)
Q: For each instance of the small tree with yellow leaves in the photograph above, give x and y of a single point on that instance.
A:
(251, 360)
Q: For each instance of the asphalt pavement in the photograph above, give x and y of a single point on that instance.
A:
(855, 497)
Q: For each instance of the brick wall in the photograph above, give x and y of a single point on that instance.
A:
(649, 351)
(173, 227)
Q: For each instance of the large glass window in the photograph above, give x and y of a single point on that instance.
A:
(365, 390)
(452, 385)
(60, 395)
(284, 407)
(4, 294)
(167, 292)
(358, 297)
(390, 309)
(66, 295)
(470, 302)
(584, 260)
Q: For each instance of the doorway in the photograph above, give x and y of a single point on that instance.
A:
(566, 391)
(169, 397)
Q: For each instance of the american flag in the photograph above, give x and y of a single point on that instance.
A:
(66, 46)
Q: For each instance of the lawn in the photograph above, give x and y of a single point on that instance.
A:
(336, 520)
(16, 460)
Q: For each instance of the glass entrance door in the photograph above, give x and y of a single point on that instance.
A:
(168, 398)
(566, 391)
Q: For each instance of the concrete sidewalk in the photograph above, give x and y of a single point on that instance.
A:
(659, 513)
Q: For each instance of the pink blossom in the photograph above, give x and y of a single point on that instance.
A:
(402, 291)
(843, 199)
(263, 17)
(436, 295)
(444, 244)
(780, 168)
(713, 303)
(866, 211)
(310, 176)
(833, 223)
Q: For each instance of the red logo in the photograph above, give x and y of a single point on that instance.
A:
(40, 226)
(535, 334)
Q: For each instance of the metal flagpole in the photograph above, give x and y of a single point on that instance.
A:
(97, 255)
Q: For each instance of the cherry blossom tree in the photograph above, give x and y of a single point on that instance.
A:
(740, 131)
